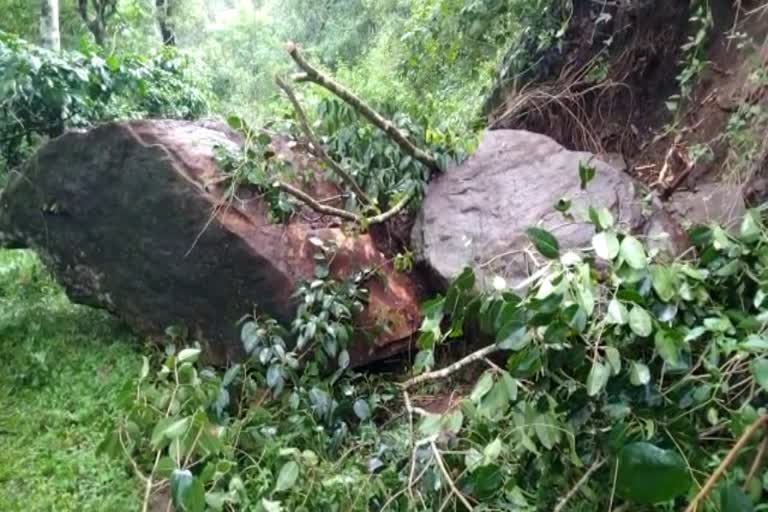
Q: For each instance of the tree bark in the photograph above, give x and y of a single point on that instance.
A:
(97, 23)
(50, 36)
(167, 33)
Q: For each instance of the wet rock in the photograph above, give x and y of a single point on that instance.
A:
(134, 217)
(476, 213)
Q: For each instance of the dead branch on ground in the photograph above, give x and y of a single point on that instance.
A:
(761, 423)
(448, 370)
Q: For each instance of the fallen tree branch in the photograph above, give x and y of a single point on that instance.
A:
(758, 460)
(727, 461)
(376, 219)
(338, 212)
(314, 75)
(317, 206)
(335, 167)
(448, 370)
(565, 499)
(447, 475)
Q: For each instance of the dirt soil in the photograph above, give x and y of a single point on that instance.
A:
(663, 160)
(625, 112)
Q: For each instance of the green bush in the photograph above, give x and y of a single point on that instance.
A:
(42, 93)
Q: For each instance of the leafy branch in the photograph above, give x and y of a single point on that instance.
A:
(312, 74)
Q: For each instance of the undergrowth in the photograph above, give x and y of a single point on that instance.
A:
(61, 370)
(617, 377)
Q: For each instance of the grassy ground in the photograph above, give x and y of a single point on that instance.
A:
(61, 367)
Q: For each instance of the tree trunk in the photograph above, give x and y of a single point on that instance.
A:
(723, 14)
(163, 20)
(98, 31)
(97, 23)
(50, 37)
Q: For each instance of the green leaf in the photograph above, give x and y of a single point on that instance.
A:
(466, 280)
(287, 477)
(492, 451)
(668, 346)
(586, 174)
(238, 124)
(188, 355)
(187, 493)
(144, 368)
(513, 336)
(760, 372)
(177, 428)
(614, 359)
(563, 205)
(362, 410)
(343, 359)
(733, 499)
(495, 403)
(597, 378)
(664, 282)
(755, 343)
(431, 424)
(546, 430)
(452, 422)
(602, 218)
(617, 313)
(483, 386)
(633, 253)
(510, 384)
(544, 242)
(751, 227)
(639, 374)
(271, 505)
(648, 474)
(640, 322)
(606, 245)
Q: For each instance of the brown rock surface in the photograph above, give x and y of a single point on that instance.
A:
(131, 217)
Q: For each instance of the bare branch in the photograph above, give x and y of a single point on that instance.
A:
(317, 206)
(316, 76)
(565, 499)
(337, 169)
(377, 219)
(447, 475)
(448, 370)
(730, 457)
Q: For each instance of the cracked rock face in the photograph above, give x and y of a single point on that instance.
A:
(132, 217)
(476, 213)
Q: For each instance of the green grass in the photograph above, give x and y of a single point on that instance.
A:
(61, 368)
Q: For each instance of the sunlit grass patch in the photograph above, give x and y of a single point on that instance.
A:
(61, 368)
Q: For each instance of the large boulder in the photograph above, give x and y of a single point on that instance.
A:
(133, 217)
(476, 214)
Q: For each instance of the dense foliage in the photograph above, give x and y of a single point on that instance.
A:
(42, 93)
(616, 378)
(614, 359)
